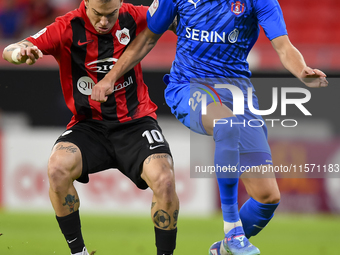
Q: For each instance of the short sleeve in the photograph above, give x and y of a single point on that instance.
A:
(270, 17)
(160, 15)
(48, 39)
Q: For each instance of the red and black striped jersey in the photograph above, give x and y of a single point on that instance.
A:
(85, 56)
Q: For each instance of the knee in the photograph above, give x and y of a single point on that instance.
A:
(59, 174)
(270, 197)
(164, 186)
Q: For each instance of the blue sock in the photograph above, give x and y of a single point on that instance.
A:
(255, 216)
(227, 138)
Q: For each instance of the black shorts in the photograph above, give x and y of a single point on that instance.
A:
(124, 146)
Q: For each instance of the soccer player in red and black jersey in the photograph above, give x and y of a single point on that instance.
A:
(121, 133)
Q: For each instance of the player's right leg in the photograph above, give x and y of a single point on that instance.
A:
(65, 166)
(216, 122)
(159, 174)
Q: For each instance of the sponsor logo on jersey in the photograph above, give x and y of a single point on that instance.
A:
(194, 3)
(85, 85)
(123, 36)
(237, 8)
(153, 7)
(103, 65)
(233, 35)
(123, 85)
(37, 35)
(211, 36)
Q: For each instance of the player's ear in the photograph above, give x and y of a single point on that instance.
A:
(121, 2)
(86, 2)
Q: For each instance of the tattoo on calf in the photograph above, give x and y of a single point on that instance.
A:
(162, 219)
(153, 204)
(70, 201)
(175, 215)
(71, 148)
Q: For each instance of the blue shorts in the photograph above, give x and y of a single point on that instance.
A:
(187, 103)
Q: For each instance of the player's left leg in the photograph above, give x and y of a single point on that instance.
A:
(158, 173)
(264, 198)
(224, 127)
(262, 188)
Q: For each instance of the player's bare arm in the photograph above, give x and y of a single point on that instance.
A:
(133, 54)
(22, 52)
(294, 62)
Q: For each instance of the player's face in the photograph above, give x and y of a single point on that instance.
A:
(103, 14)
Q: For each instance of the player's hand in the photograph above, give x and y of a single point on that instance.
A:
(313, 78)
(29, 55)
(102, 90)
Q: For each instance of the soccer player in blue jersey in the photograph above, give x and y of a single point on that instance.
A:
(214, 39)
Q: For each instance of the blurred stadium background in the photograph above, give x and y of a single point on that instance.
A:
(33, 115)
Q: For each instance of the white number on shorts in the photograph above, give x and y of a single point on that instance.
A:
(199, 97)
(153, 136)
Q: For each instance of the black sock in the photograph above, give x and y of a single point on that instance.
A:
(70, 227)
(165, 241)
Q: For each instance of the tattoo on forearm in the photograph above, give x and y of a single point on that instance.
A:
(156, 156)
(153, 204)
(71, 148)
(162, 219)
(70, 201)
(175, 215)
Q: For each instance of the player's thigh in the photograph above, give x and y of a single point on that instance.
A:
(196, 106)
(214, 112)
(261, 187)
(65, 159)
(141, 141)
(95, 150)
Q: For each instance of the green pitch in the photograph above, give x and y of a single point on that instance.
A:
(38, 234)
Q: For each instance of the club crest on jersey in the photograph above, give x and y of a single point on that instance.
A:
(123, 36)
(237, 8)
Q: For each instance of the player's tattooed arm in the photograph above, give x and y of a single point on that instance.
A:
(22, 52)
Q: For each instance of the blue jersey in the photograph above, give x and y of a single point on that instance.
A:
(215, 36)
